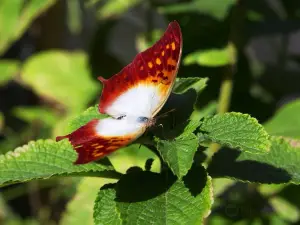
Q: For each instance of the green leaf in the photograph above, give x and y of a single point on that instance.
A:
(16, 16)
(150, 198)
(61, 76)
(285, 209)
(88, 115)
(279, 165)
(134, 155)
(80, 208)
(236, 130)
(182, 85)
(31, 114)
(42, 159)
(114, 8)
(8, 69)
(212, 57)
(286, 121)
(179, 153)
(215, 8)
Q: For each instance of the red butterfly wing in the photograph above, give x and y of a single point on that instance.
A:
(157, 65)
(156, 68)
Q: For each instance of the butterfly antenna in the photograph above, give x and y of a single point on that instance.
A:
(165, 113)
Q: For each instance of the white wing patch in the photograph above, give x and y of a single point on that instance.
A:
(113, 127)
(141, 100)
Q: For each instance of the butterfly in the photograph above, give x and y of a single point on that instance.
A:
(131, 98)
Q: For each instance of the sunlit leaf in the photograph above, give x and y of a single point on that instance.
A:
(16, 16)
(286, 121)
(212, 57)
(8, 69)
(61, 76)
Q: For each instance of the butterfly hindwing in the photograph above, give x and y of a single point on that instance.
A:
(99, 138)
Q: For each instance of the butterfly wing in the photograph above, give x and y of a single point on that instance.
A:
(144, 85)
(99, 138)
(140, 89)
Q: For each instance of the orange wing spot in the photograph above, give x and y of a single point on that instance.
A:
(150, 65)
(171, 62)
(167, 46)
(162, 53)
(99, 146)
(141, 68)
(97, 154)
(93, 145)
(173, 45)
(158, 61)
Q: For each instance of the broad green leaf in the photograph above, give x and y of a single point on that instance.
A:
(30, 114)
(286, 121)
(16, 16)
(80, 208)
(8, 69)
(236, 130)
(284, 209)
(215, 8)
(134, 155)
(212, 57)
(150, 198)
(279, 165)
(43, 159)
(61, 76)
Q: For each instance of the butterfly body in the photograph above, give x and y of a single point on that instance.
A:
(131, 98)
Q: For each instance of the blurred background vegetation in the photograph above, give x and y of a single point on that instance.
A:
(52, 51)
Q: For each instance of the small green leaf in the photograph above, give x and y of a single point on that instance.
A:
(61, 76)
(182, 85)
(179, 153)
(8, 69)
(215, 8)
(285, 209)
(212, 57)
(134, 155)
(85, 117)
(16, 16)
(42, 159)
(30, 114)
(115, 8)
(286, 121)
(80, 208)
(236, 130)
(150, 198)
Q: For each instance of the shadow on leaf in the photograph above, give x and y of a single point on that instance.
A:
(224, 164)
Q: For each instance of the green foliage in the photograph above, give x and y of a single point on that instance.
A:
(179, 153)
(286, 121)
(236, 130)
(16, 16)
(149, 198)
(42, 159)
(215, 8)
(61, 77)
(8, 69)
(212, 57)
(80, 209)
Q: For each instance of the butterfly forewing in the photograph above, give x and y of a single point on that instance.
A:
(148, 79)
